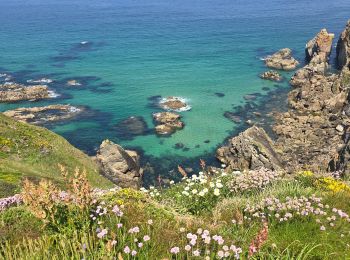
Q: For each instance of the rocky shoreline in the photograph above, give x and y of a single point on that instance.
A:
(314, 133)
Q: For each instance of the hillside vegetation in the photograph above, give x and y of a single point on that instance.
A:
(258, 214)
(28, 151)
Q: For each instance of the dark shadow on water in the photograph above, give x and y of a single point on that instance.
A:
(75, 52)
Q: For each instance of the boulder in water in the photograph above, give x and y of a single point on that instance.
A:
(282, 60)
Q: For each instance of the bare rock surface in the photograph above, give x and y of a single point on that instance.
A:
(251, 149)
(13, 92)
(271, 75)
(167, 122)
(282, 60)
(45, 114)
(120, 166)
(315, 132)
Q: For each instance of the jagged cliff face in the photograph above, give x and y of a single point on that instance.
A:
(343, 48)
(314, 134)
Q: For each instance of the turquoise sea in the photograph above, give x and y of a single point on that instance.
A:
(137, 50)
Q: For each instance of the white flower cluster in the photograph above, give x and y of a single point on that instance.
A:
(153, 192)
(200, 185)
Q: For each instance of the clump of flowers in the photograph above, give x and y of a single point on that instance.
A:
(197, 192)
(130, 241)
(332, 184)
(152, 191)
(204, 245)
(14, 200)
(274, 209)
(306, 173)
(254, 179)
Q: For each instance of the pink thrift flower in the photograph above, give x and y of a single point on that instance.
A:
(175, 250)
(127, 250)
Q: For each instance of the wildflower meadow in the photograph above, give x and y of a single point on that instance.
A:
(215, 214)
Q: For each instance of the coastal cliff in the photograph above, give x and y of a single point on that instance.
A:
(314, 133)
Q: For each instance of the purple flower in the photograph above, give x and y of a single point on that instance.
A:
(102, 233)
(127, 250)
(117, 211)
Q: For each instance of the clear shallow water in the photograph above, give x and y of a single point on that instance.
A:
(139, 49)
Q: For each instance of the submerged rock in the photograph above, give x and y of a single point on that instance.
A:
(251, 149)
(120, 166)
(282, 60)
(343, 48)
(233, 117)
(46, 114)
(168, 122)
(13, 92)
(134, 125)
(271, 75)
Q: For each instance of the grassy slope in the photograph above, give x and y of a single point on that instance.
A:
(35, 152)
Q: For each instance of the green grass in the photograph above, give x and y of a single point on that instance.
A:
(28, 151)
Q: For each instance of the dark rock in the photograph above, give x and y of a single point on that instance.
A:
(232, 116)
(179, 146)
(218, 94)
(134, 125)
(343, 48)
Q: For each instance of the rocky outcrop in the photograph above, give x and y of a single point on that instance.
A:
(311, 134)
(343, 48)
(120, 166)
(13, 92)
(317, 52)
(174, 104)
(315, 132)
(321, 44)
(282, 60)
(271, 75)
(251, 149)
(46, 114)
(168, 122)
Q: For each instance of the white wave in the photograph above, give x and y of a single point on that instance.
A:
(43, 80)
(74, 109)
(84, 42)
(53, 94)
